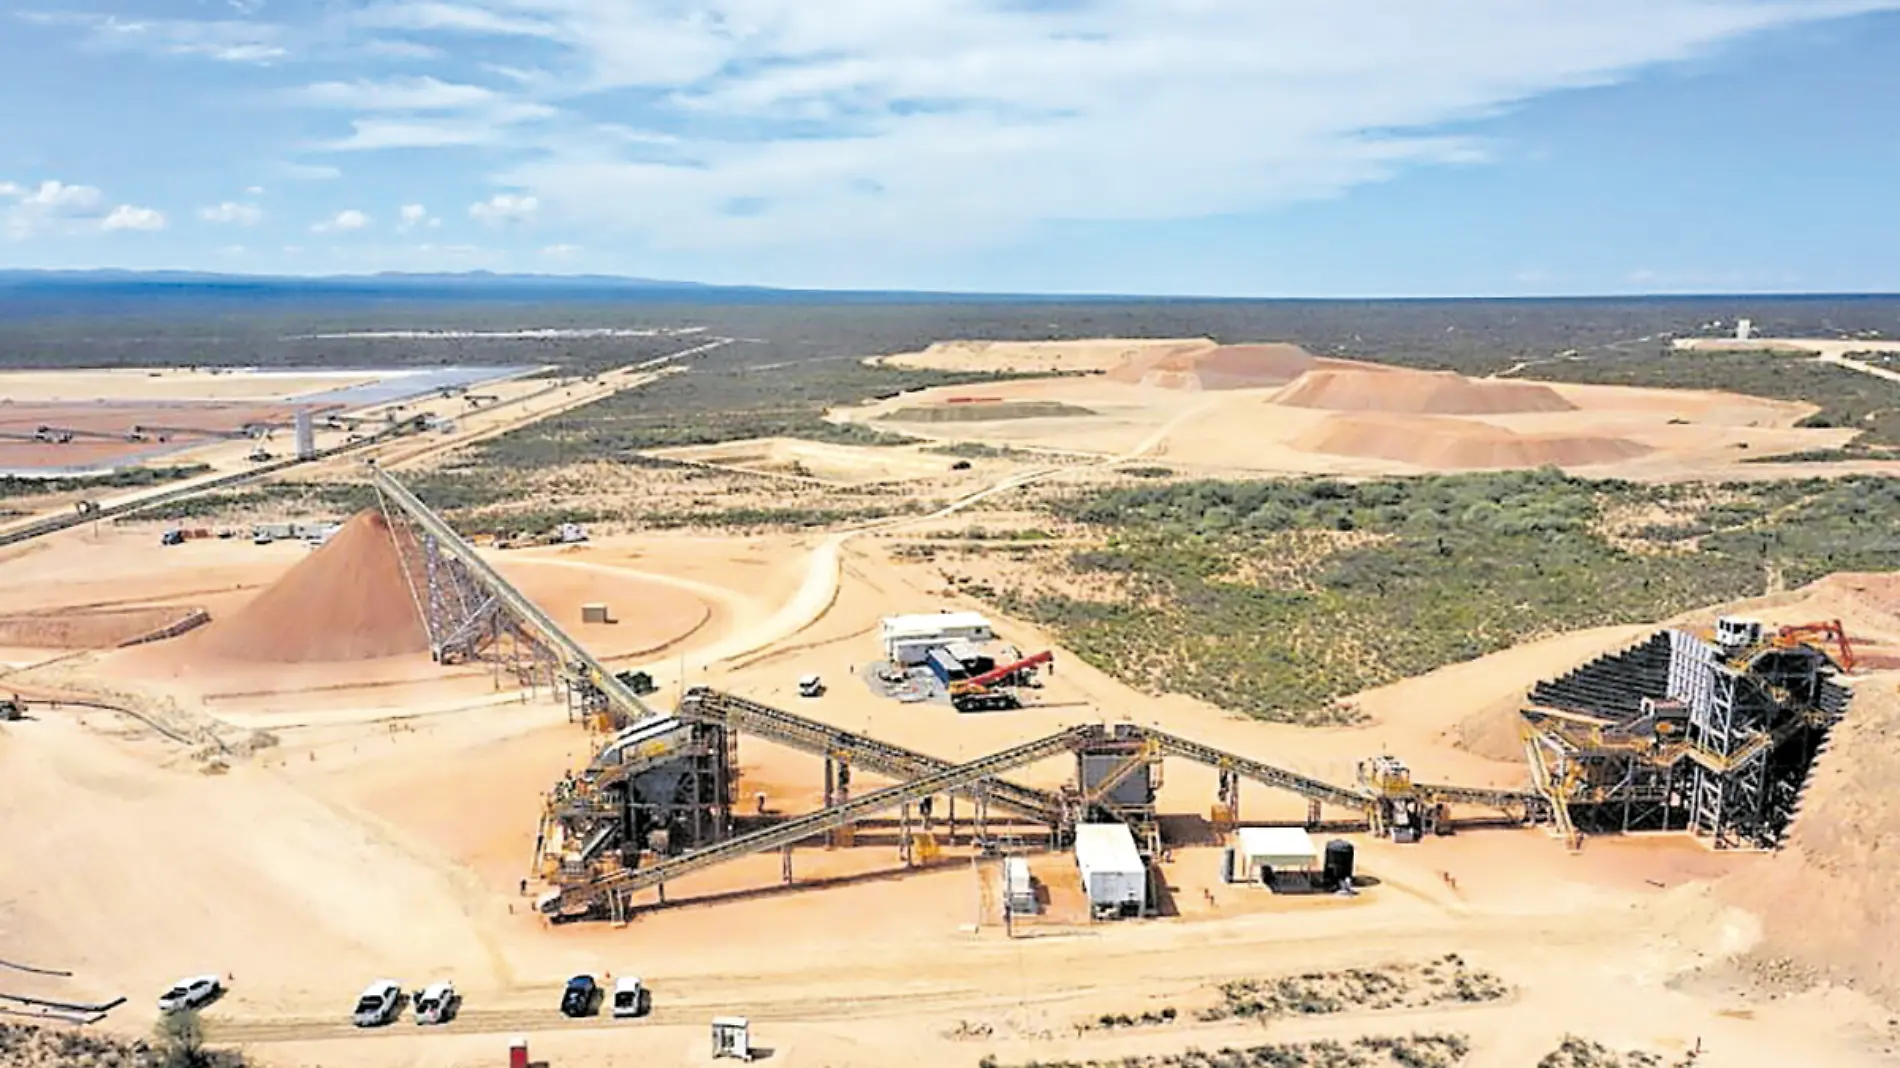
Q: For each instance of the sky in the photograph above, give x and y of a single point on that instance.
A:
(1186, 147)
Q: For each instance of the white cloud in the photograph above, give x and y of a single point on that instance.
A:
(51, 206)
(227, 40)
(309, 172)
(504, 208)
(342, 222)
(254, 190)
(397, 48)
(396, 94)
(456, 18)
(484, 126)
(561, 252)
(938, 122)
(59, 197)
(131, 217)
(234, 212)
(416, 217)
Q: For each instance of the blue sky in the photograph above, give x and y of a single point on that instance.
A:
(1217, 147)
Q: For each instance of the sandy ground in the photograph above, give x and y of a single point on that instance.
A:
(1606, 430)
(819, 461)
(1040, 357)
(382, 842)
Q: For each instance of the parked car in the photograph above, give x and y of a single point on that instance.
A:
(193, 993)
(630, 998)
(581, 996)
(811, 686)
(437, 1003)
(377, 1004)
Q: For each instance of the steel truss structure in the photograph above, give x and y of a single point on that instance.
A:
(472, 613)
(687, 757)
(1683, 733)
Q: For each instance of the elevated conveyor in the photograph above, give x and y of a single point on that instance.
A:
(578, 661)
(1265, 774)
(1531, 804)
(820, 739)
(953, 779)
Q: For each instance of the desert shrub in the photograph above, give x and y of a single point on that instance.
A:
(1215, 596)
(128, 478)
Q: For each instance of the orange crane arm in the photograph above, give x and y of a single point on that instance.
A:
(1826, 629)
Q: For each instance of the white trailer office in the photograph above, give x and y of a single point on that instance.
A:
(1113, 875)
(909, 639)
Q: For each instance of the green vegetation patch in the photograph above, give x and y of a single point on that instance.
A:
(1846, 398)
(1417, 1050)
(128, 478)
(1447, 979)
(1277, 598)
(712, 407)
(1575, 1052)
(985, 413)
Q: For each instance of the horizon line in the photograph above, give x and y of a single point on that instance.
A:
(184, 275)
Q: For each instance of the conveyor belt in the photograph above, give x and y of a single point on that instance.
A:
(750, 717)
(1267, 774)
(448, 541)
(1481, 796)
(948, 780)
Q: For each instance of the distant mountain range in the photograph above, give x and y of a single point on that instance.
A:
(383, 280)
(30, 291)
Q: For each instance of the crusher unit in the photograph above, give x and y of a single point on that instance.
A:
(1711, 733)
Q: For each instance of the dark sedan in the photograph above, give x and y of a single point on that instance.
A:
(581, 997)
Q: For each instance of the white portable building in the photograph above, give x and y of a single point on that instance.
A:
(909, 639)
(1113, 875)
(1018, 887)
(1260, 850)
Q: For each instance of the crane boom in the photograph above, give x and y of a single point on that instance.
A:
(1830, 628)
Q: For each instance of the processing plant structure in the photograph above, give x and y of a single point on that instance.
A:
(1710, 733)
(1713, 735)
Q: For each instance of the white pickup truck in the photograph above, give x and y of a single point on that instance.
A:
(437, 1003)
(630, 998)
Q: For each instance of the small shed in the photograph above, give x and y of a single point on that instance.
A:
(1018, 887)
(596, 612)
(732, 1037)
(1263, 852)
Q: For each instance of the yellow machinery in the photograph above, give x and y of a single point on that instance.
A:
(1386, 776)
